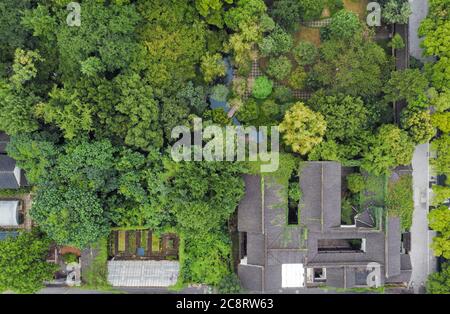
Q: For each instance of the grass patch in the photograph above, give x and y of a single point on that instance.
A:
(374, 192)
(132, 242)
(399, 200)
(156, 243)
(121, 245)
(144, 240)
(287, 165)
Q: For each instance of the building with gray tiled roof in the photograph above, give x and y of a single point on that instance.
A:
(318, 251)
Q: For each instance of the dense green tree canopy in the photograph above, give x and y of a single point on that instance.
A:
(23, 263)
(391, 147)
(355, 68)
(302, 128)
(439, 283)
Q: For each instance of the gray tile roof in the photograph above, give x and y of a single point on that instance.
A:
(393, 243)
(7, 178)
(250, 207)
(251, 277)
(265, 220)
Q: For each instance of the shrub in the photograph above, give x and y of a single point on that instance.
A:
(70, 258)
(248, 112)
(219, 92)
(282, 94)
(262, 87)
(212, 67)
(270, 108)
(399, 200)
(312, 9)
(344, 25)
(276, 43)
(287, 13)
(355, 182)
(397, 42)
(294, 192)
(229, 284)
(305, 53)
(396, 12)
(279, 68)
(298, 78)
(218, 116)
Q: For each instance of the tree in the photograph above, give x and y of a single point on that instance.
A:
(327, 151)
(17, 110)
(212, 67)
(396, 11)
(302, 128)
(441, 246)
(68, 112)
(12, 32)
(220, 93)
(245, 12)
(23, 263)
(17, 96)
(441, 146)
(344, 25)
(439, 283)
(107, 32)
(355, 182)
(439, 220)
(312, 9)
(441, 194)
(389, 148)
(305, 53)
(276, 43)
(214, 189)
(346, 116)
(408, 85)
(262, 88)
(174, 41)
(287, 13)
(86, 165)
(139, 106)
(435, 28)
(397, 42)
(248, 113)
(212, 10)
(298, 78)
(69, 215)
(208, 259)
(203, 196)
(418, 125)
(279, 68)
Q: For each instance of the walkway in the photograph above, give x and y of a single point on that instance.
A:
(422, 259)
(419, 12)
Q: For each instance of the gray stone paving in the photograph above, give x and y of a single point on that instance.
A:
(422, 259)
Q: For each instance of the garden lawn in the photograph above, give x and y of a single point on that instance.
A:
(357, 6)
(308, 34)
(374, 193)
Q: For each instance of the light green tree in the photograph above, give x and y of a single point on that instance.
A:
(302, 128)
